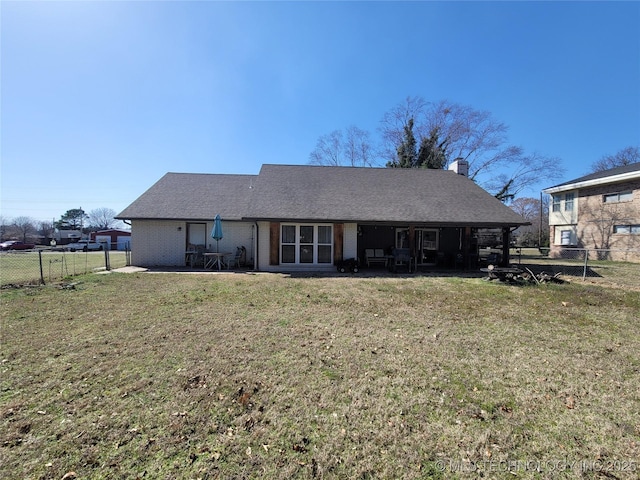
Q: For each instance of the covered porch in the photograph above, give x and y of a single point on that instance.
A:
(423, 247)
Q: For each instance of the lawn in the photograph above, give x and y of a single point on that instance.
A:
(270, 376)
(19, 268)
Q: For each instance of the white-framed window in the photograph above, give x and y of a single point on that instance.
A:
(565, 237)
(626, 196)
(568, 202)
(306, 244)
(556, 203)
(627, 229)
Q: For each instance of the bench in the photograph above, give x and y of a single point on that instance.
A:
(375, 256)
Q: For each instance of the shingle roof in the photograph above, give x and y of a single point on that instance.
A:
(332, 194)
(634, 167)
(296, 192)
(193, 196)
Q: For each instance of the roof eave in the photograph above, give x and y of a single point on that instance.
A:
(623, 177)
(429, 223)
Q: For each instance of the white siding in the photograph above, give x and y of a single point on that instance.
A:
(164, 242)
(263, 248)
(350, 242)
(572, 237)
(158, 243)
(564, 217)
(236, 234)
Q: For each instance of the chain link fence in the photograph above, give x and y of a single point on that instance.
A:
(582, 263)
(37, 267)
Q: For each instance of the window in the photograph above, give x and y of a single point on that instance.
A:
(568, 202)
(325, 237)
(556, 203)
(306, 244)
(618, 197)
(565, 237)
(627, 229)
(288, 244)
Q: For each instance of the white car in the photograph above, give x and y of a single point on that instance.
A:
(85, 246)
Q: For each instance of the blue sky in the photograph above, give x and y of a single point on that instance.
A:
(100, 99)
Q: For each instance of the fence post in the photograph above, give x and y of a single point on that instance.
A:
(107, 265)
(586, 261)
(41, 270)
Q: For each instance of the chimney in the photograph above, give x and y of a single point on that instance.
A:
(460, 166)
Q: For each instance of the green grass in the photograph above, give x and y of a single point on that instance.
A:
(599, 272)
(268, 376)
(23, 268)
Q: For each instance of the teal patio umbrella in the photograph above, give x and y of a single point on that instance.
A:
(216, 231)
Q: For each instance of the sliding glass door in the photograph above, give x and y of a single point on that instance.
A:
(306, 244)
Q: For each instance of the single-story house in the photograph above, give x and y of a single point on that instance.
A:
(599, 211)
(301, 217)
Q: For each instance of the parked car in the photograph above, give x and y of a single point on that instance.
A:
(85, 246)
(15, 245)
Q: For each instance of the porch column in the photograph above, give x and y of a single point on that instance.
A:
(338, 242)
(412, 240)
(466, 247)
(274, 243)
(506, 239)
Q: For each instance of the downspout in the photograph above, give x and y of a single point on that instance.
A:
(255, 248)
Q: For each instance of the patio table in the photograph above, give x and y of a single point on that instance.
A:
(215, 259)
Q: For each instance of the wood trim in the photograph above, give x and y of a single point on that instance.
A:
(338, 242)
(274, 243)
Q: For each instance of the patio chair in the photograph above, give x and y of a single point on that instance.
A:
(198, 256)
(238, 258)
(375, 256)
(401, 257)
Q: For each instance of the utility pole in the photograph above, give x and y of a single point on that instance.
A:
(540, 223)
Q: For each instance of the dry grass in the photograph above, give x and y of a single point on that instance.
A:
(266, 376)
(625, 275)
(20, 268)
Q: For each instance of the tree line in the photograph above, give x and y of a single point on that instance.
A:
(421, 134)
(26, 229)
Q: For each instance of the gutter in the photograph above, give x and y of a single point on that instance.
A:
(256, 249)
(592, 183)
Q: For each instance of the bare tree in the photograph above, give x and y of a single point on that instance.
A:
(536, 211)
(357, 148)
(523, 171)
(328, 150)
(351, 148)
(102, 218)
(472, 135)
(4, 227)
(445, 131)
(46, 229)
(23, 227)
(626, 156)
(395, 121)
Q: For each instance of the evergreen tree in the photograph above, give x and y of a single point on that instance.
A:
(73, 219)
(432, 152)
(407, 155)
